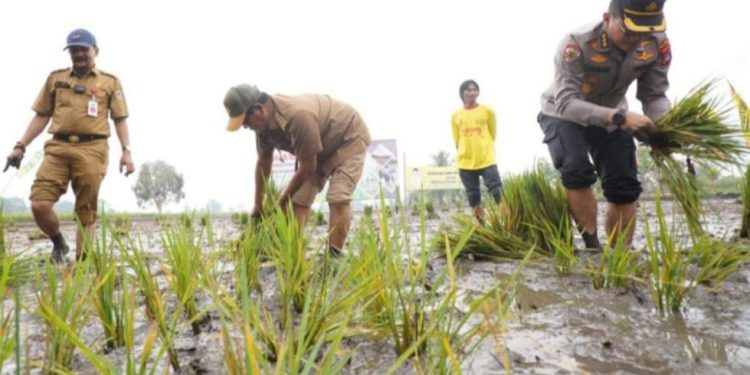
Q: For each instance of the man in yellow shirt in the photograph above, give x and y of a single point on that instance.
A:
(474, 129)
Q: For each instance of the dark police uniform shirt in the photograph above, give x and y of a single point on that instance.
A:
(69, 110)
(592, 77)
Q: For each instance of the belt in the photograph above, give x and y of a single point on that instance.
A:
(78, 138)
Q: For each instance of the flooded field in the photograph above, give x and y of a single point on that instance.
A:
(556, 324)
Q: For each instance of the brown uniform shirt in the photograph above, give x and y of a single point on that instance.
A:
(315, 125)
(69, 110)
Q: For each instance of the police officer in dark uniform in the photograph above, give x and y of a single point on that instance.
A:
(79, 101)
(585, 115)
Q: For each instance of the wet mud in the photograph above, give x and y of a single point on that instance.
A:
(557, 324)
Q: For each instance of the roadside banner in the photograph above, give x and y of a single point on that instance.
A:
(432, 178)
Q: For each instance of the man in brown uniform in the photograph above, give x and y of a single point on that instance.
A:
(328, 137)
(585, 115)
(78, 100)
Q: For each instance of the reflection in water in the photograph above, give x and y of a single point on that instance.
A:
(698, 345)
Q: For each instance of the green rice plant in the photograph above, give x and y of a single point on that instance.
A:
(717, 260)
(491, 241)
(122, 224)
(561, 240)
(247, 259)
(531, 203)
(62, 301)
(684, 190)
(3, 249)
(319, 219)
(411, 308)
(154, 308)
(8, 337)
(184, 257)
(497, 310)
(697, 128)
(745, 197)
(323, 323)
(618, 264)
(108, 304)
(288, 252)
(398, 310)
(253, 342)
(420, 311)
(670, 267)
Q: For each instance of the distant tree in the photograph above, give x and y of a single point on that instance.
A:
(14, 205)
(158, 183)
(64, 206)
(442, 159)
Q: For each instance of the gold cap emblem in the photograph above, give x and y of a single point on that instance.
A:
(652, 7)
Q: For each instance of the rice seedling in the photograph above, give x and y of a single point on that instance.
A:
(412, 308)
(107, 302)
(684, 190)
(561, 240)
(697, 128)
(288, 252)
(63, 297)
(8, 338)
(247, 259)
(3, 249)
(531, 203)
(618, 264)
(745, 197)
(298, 344)
(399, 308)
(154, 309)
(122, 224)
(452, 338)
(497, 310)
(185, 260)
(717, 260)
(670, 278)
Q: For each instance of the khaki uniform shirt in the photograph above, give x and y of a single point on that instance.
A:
(315, 125)
(69, 110)
(592, 77)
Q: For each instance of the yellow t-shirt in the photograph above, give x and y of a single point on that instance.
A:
(474, 133)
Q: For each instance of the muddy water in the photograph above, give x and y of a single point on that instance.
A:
(557, 324)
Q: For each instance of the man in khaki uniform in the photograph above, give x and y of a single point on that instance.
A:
(585, 115)
(328, 137)
(78, 101)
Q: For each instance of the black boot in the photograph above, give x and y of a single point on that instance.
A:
(335, 252)
(59, 249)
(591, 241)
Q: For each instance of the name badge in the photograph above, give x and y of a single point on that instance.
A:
(93, 108)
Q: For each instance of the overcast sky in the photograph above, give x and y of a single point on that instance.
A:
(398, 62)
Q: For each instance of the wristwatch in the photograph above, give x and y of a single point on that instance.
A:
(618, 119)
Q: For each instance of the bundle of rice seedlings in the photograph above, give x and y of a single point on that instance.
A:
(532, 204)
(695, 127)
